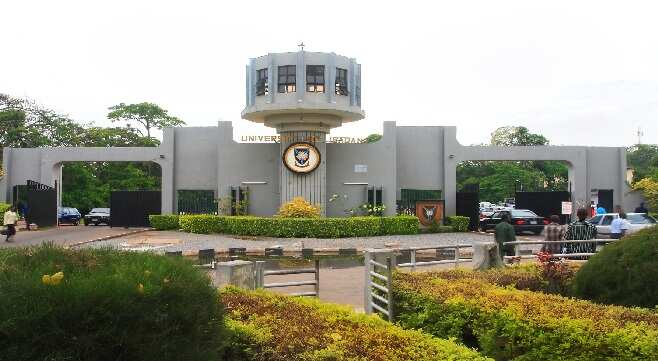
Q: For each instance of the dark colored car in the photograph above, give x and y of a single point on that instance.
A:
(523, 220)
(98, 216)
(68, 215)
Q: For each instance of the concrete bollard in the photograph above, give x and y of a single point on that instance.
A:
(236, 273)
(486, 255)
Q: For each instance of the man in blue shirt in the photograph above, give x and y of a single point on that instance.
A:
(600, 210)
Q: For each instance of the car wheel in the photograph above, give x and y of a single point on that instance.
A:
(96, 224)
(86, 224)
(76, 223)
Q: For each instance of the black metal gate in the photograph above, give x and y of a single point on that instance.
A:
(544, 204)
(132, 208)
(468, 205)
(41, 204)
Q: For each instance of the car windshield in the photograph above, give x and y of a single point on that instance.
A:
(640, 219)
(523, 213)
(100, 210)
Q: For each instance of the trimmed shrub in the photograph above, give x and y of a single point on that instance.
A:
(400, 225)
(102, 304)
(299, 227)
(163, 222)
(4, 207)
(459, 223)
(298, 207)
(511, 324)
(277, 328)
(623, 273)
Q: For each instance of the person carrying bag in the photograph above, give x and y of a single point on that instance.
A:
(10, 220)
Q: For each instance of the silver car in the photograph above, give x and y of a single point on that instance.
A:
(637, 220)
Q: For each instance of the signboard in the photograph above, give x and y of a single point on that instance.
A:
(301, 157)
(567, 208)
(429, 212)
(360, 168)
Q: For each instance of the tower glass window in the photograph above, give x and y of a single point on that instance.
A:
(315, 78)
(261, 82)
(287, 79)
(341, 81)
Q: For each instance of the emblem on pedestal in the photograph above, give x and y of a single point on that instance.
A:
(301, 157)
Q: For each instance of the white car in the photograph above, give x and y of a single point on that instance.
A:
(637, 220)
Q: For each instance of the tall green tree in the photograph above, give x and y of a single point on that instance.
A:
(499, 180)
(643, 158)
(148, 115)
(516, 136)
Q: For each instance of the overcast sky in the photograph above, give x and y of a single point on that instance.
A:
(579, 72)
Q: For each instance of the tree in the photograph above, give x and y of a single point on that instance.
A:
(148, 115)
(516, 136)
(499, 180)
(649, 186)
(372, 138)
(643, 158)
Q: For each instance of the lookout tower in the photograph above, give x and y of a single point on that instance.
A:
(303, 95)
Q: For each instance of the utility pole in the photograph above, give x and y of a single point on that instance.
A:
(640, 133)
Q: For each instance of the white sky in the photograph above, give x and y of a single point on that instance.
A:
(579, 72)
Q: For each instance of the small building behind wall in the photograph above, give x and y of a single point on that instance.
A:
(303, 95)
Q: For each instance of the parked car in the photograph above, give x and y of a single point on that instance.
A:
(68, 215)
(486, 212)
(637, 220)
(98, 216)
(523, 220)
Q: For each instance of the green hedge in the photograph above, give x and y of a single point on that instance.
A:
(623, 273)
(298, 227)
(277, 328)
(459, 223)
(510, 324)
(107, 305)
(164, 221)
(4, 207)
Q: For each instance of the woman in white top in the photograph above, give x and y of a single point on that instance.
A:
(10, 219)
(619, 226)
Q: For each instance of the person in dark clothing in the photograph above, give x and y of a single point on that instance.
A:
(641, 209)
(23, 209)
(504, 232)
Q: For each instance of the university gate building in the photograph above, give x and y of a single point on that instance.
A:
(303, 95)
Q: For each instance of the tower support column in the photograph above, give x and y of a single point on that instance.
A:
(311, 186)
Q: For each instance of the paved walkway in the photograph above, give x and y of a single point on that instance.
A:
(63, 235)
(190, 243)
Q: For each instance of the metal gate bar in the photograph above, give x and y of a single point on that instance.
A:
(315, 282)
(374, 279)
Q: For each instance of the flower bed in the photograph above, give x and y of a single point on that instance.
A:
(102, 305)
(511, 324)
(290, 227)
(277, 328)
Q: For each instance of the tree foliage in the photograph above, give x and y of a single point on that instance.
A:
(148, 115)
(26, 124)
(501, 179)
(643, 159)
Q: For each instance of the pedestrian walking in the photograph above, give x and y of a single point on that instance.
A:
(580, 230)
(554, 233)
(10, 220)
(23, 210)
(641, 209)
(504, 232)
(619, 226)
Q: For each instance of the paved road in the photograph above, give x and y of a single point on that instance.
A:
(188, 242)
(63, 235)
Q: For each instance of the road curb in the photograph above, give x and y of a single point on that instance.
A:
(109, 237)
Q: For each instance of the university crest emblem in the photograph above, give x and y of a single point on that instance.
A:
(301, 157)
(429, 211)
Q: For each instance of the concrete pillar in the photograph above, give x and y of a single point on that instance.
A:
(311, 186)
(486, 255)
(234, 273)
